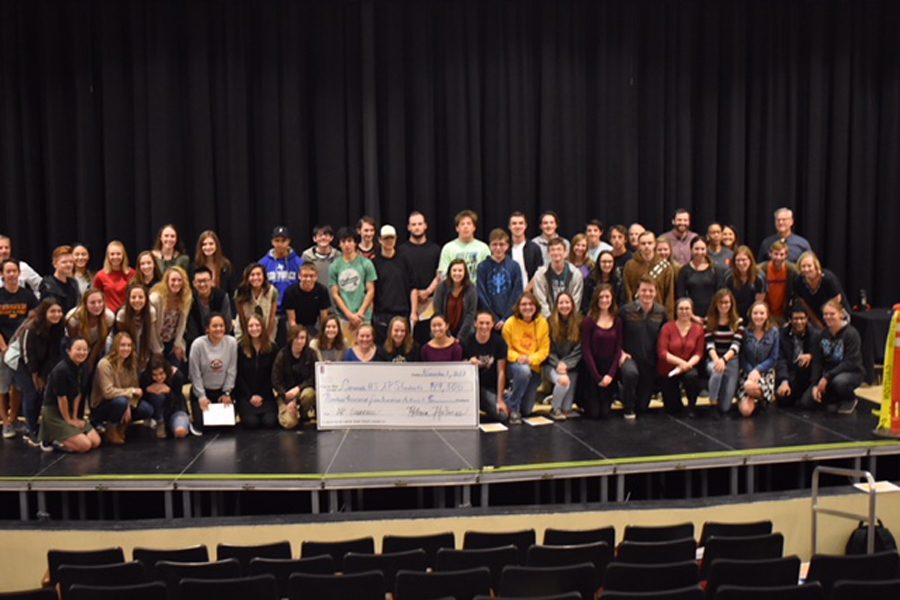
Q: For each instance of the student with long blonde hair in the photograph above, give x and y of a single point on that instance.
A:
(114, 277)
(172, 299)
(117, 397)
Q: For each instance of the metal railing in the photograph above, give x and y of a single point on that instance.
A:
(816, 508)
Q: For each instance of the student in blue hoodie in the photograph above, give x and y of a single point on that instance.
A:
(499, 280)
(282, 267)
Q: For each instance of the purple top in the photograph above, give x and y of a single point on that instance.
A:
(452, 353)
(601, 345)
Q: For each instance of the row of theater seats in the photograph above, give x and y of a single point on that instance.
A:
(739, 560)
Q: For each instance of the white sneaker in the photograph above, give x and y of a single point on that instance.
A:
(9, 432)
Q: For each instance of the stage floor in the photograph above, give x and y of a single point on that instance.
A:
(343, 459)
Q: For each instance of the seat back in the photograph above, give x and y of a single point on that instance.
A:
(661, 533)
(258, 587)
(522, 540)
(888, 589)
(337, 550)
(173, 572)
(630, 577)
(755, 547)
(546, 581)
(107, 556)
(566, 596)
(827, 569)
(283, 568)
(693, 592)
(807, 591)
(388, 564)
(129, 573)
(711, 528)
(153, 590)
(48, 593)
(349, 586)
(151, 556)
(461, 585)
(492, 558)
(597, 553)
(431, 543)
(770, 572)
(657, 552)
(566, 537)
(244, 554)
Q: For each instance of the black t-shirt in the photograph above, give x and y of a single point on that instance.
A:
(66, 293)
(393, 285)
(423, 262)
(307, 305)
(488, 354)
(13, 310)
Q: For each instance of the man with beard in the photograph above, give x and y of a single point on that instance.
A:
(680, 236)
(422, 255)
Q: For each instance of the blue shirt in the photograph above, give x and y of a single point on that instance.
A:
(282, 273)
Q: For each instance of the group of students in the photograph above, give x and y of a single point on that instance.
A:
(582, 320)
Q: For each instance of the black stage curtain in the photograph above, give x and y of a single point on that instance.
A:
(120, 115)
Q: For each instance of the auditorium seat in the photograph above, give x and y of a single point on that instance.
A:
(354, 586)
(567, 596)
(494, 559)
(387, 563)
(107, 556)
(38, 594)
(657, 552)
(522, 540)
(770, 572)
(597, 553)
(153, 590)
(754, 547)
(283, 568)
(258, 587)
(337, 550)
(828, 569)
(807, 591)
(173, 572)
(430, 543)
(660, 533)
(711, 528)
(628, 577)
(546, 581)
(694, 592)
(151, 556)
(461, 585)
(866, 590)
(244, 554)
(129, 573)
(567, 537)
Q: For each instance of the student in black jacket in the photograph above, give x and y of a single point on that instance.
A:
(837, 368)
(253, 389)
(798, 339)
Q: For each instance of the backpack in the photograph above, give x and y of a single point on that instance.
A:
(884, 539)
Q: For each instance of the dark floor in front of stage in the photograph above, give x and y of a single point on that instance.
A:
(256, 454)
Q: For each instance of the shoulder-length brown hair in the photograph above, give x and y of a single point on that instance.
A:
(565, 329)
(408, 341)
(537, 306)
(712, 316)
(594, 310)
(246, 342)
(752, 272)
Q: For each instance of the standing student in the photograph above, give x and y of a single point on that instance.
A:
(815, 287)
(365, 229)
(561, 368)
(593, 231)
(294, 379)
(837, 368)
(352, 285)
(138, 319)
(779, 275)
(499, 280)
(114, 277)
(660, 271)
(28, 277)
(442, 347)
(730, 237)
(392, 288)
(604, 272)
(759, 357)
(487, 351)
(618, 238)
(724, 336)
(681, 347)
(699, 279)
(253, 392)
(172, 299)
(423, 256)
(60, 284)
(61, 425)
(549, 224)
(744, 281)
(308, 302)
(41, 339)
(209, 254)
(281, 264)
(321, 254)
(148, 273)
(524, 252)
(457, 300)
(715, 249)
(81, 272)
(116, 396)
(256, 296)
(213, 369)
(578, 255)
(556, 277)
(527, 337)
(466, 247)
(642, 321)
(15, 302)
(168, 250)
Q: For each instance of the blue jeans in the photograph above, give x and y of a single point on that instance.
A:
(32, 400)
(525, 383)
(157, 402)
(113, 411)
(488, 403)
(722, 386)
(563, 397)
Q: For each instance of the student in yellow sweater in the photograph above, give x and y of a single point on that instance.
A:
(527, 335)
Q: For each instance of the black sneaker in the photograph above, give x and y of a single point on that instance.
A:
(48, 446)
(847, 407)
(32, 440)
